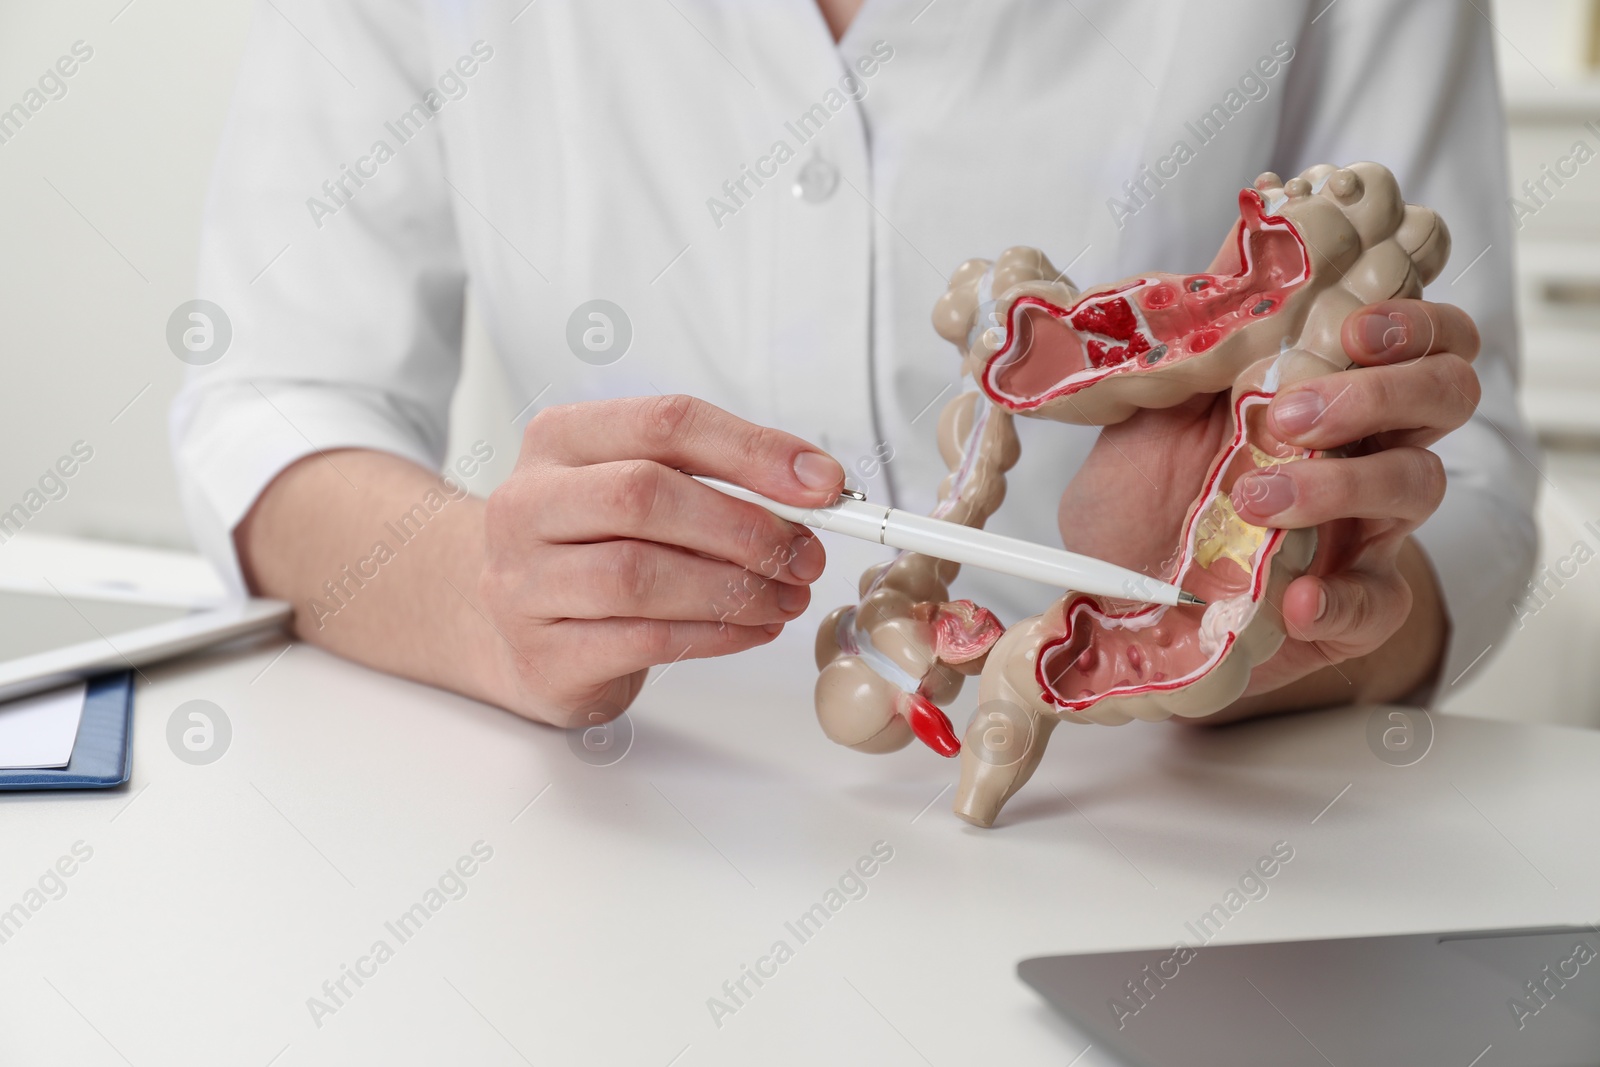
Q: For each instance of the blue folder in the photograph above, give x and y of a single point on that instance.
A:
(102, 755)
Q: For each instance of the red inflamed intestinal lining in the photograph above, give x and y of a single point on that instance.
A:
(1113, 320)
(1155, 321)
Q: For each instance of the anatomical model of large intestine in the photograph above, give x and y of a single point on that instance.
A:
(1303, 255)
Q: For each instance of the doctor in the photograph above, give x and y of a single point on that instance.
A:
(766, 199)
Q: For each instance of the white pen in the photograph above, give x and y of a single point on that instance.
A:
(854, 516)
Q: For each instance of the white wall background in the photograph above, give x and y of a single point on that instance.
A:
(102, 193)
(83, 313)
(100, 201)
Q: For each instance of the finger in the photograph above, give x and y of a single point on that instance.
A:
(617, 647)
(638, 579)
(1411, 404)
(1393, 331)
(1401, 484)
(649, 502)
(1352, 608)
(687, 434)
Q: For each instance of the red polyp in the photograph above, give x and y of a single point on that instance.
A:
(1155, 320)
(931, 725)
(1158, 297)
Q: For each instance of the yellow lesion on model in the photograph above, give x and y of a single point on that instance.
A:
(1222, 534)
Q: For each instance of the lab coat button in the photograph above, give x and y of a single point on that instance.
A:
(816, 180)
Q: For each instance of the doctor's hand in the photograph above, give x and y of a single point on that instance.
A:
(1369, 593)
(602, 559)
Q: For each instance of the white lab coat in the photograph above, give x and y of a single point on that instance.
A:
(629, 150)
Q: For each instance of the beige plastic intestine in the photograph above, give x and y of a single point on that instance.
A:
(1304, 255)
(889, 662)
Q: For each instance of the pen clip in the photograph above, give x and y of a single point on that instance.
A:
(853, 494)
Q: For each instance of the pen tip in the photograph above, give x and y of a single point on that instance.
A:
(1186, 597)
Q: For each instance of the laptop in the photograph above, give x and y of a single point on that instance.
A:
(1485, 998)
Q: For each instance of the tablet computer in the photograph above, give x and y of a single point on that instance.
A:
(73, 609)
(1477, 998)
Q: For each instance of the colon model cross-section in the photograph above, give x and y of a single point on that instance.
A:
(1267, 314)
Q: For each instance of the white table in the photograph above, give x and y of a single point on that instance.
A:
(618, 899)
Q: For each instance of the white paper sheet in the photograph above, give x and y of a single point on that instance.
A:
(39, 731)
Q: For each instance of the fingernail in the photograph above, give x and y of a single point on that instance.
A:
(792, 598)
(1381, 333)
(817, 471)
(1295, 413)
(773, 628)
(805, 558)
(1322, 605)
(1263, 495)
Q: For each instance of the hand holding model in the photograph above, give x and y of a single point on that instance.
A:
(1225, 396)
